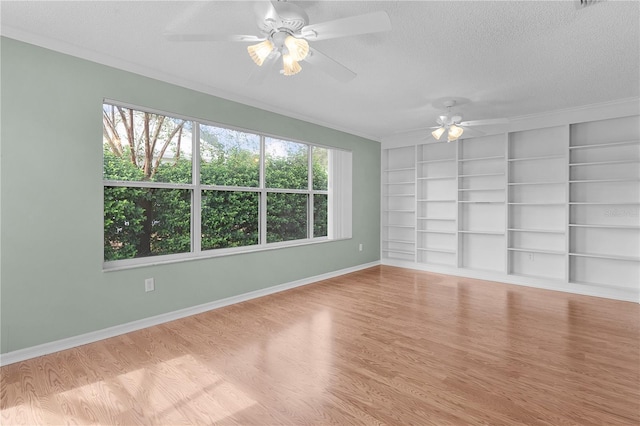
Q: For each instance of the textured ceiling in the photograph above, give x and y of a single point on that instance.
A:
(508, 58)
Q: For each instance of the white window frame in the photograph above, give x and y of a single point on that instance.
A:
(339, 195)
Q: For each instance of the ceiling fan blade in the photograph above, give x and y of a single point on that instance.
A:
(330, 66)
(354, 25)
(426, 130)
(260, 73)
(211, 37)
(484, 122)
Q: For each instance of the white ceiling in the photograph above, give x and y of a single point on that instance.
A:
(509, 58)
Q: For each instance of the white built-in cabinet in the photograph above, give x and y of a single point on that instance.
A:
(557, 205)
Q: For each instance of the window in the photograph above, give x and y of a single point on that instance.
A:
(242, 191)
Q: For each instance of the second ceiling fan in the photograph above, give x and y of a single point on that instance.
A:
(285, 33)
(452, 125)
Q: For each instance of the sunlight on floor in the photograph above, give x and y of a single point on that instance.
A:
(170, 391)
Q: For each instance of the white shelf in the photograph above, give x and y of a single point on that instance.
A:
(604, 203)
(400, 195)
(441, 160)
(607, 256)
(602, 145)
(602, 163)
(437, 178)
(399, 211)
(543, 231)
(537, 204)
(480, 202)
(391, 225)
(543, 157)
(480, 189)
(399, 241)
(481, 175)
(437, 250)
(536, 183)
(482, 232)
(436, 231)
(405, 169)
(527, 250)
(493, 157)
(438, 201)
(398, 251)
(400, 183)
(577, 225)
(450, 219)
(604, 180)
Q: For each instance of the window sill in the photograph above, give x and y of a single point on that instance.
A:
(120, 265)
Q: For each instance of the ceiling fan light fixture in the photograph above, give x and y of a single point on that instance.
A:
(454, 132)
(298, 47)
(259, 52)
(290, 66)
(437, 133)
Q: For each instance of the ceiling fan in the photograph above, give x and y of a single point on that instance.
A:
(452, 124)
(285, 33)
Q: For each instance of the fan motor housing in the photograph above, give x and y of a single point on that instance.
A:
(292, 19)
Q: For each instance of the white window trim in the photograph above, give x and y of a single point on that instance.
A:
(339, 200)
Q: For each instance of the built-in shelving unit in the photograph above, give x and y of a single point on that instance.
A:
(604, 203)
(537, 203)
(481, 207)
(555, 207)
(437, 175)
(398, 204)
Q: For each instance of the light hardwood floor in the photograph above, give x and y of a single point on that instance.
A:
(380, 346)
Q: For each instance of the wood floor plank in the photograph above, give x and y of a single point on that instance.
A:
(383, 346)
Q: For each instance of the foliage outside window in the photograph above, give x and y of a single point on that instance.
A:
(240, 189)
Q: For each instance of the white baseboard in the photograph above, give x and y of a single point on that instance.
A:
(627, 295)
(94, 336)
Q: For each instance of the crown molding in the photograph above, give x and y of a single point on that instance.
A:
(566, 116)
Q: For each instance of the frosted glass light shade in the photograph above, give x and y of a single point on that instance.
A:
(298, 48)
(437, 133)
(455, 132)
(290, 66)
(259, 52)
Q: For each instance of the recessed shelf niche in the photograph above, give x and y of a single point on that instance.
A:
(604, 203)
(482, 203)
(398, 204)
(437, 183)
(537, 195)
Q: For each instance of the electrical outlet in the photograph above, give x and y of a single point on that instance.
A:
(360, 247)
(149, 284)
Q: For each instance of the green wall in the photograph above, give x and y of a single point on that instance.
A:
(52, 283)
